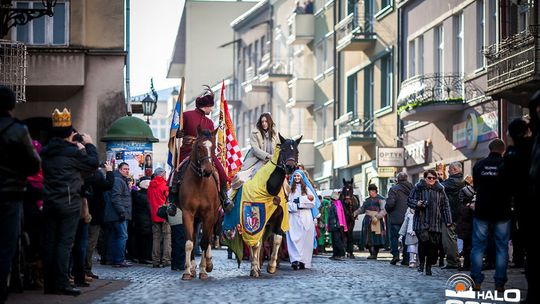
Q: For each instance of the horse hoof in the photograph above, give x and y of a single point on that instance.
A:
(254, 274)
(209, 267)
(271, 270)
(203, 276)
(186, 277)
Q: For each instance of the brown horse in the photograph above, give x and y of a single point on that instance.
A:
(199, 200)
(350, 204)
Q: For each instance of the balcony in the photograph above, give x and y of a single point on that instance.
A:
(301, 28)
(306, 153)
(359, 131)
(301, 92)
(431, 97)
(355, 33)
(253, 82)
(513, 66)
(274, 70)
(64, 69)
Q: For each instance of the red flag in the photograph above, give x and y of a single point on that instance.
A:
(227, 139)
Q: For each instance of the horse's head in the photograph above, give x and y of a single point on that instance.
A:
(288, 154)
(347, 192)
(203, 151)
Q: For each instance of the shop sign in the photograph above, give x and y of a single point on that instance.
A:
(390, 157)
(415, 154)
(475, 129)
(341, 153)
(386, 171)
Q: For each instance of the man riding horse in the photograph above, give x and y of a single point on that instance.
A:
(192, 120)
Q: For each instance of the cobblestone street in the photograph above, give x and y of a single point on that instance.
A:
(350, 281)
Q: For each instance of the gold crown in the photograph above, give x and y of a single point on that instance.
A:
(61, 119)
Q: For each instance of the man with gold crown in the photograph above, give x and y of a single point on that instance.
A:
(67, 156)
(18, 160)
(192, 120)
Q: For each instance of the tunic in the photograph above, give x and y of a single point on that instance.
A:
(373, 206)
(301, 228)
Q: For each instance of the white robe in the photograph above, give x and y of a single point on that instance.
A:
(301, 228)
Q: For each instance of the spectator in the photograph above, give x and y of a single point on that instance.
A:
(373, 235)
(452, 185)
(67, 155)
(431, 209)
(308, 7)
(492, 212)
(142, 224)
(119, 215)
(178, 252)
(99, 184)
(337, 225)
(467, 198)
(396, 207)
(161, 230)
(18, 160)
(298, 9)
(411, 241)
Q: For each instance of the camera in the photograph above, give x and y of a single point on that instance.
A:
(102, 164)
(78, 137)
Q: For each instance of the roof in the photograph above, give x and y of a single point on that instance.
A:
(252, 12)
(129, 128)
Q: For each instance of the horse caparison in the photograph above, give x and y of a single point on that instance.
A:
(199, 199)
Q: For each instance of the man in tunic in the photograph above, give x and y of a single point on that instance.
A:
(192, 120)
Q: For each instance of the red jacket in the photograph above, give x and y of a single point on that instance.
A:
(157, 196)
(192, 119)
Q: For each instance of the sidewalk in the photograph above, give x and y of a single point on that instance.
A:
(97, 290)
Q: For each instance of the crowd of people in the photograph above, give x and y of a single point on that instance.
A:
(74, 205)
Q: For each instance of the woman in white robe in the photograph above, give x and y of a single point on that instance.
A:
(301, 232)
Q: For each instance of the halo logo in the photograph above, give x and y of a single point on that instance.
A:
(460, 286)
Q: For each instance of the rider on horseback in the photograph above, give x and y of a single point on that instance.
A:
(192, 120)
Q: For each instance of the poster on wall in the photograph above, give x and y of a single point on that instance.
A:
(137, 155)
(475, 129)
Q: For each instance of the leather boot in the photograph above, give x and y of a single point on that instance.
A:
(224, 198)
(421, 265)
(428, 269)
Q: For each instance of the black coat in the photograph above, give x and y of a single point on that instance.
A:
(18, 159)
(396, 203)
(493, 201)
(141, 218)
(97, 184)
(452, 185)
(63, 164)
(435, 209)
(464, 221)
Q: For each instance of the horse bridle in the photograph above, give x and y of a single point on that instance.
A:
(196, 166)
(283, 163)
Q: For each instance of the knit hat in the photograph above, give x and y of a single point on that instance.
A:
(61, 123)
(159, 171)
(144, 182)
(206, 100)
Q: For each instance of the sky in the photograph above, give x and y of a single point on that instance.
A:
(154, 24)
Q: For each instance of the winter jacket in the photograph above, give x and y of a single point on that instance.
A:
(18, 159)
(120, 200)
(97, 185)
(258, 149)
(141, 218)
(493, 201)
(452, 185)
(515, 169)
(396, 203)
(157, 196)
(63, 164)
(407, 229)
(465, 217)
(434, 210)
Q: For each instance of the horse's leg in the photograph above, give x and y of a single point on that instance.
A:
(254, 254)
(188, 226)
(208, 229)
(202, 267)
(272, 264)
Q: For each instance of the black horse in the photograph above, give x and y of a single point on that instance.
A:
(350, 204)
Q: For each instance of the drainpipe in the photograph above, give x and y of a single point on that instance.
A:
(128, 31)
(271, 35)
(398, 75)
(337, 77)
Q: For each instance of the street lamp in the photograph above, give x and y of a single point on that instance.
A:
(149, 106)
(10, 17)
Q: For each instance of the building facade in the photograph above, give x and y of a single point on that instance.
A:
(75, 60)
(442, 103)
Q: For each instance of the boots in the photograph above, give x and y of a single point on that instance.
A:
(421, 265)
(428, 269)
(224, 198)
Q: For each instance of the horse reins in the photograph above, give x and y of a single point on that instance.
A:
(196, 167)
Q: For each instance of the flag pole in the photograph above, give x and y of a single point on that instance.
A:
(178, 141)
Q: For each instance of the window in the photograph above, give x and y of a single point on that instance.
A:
(329, 52)
(352, 94)
(412, 60)
(263, 44)
(439, 49)
(249, 54)
(493, 21)
(320, 56)
(329, 121)
(368, 95)
(523, 19)
(421, 55)
(480, 27)
(255, 57)
(320, 123)
(44, 30)
(385, 4)
(386, 81)
(458, 46)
